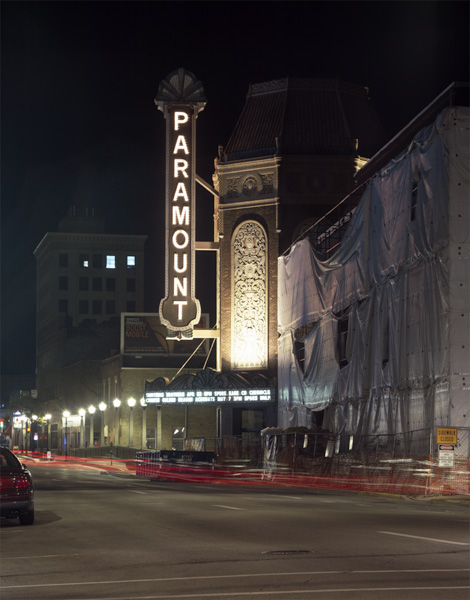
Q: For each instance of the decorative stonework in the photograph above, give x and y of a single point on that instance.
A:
(249, 297)
(232, 188)
(208, 379)
(268, 183)
(250, 185)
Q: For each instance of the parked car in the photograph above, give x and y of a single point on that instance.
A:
(16, 489)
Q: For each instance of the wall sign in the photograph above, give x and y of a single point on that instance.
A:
(180, 97)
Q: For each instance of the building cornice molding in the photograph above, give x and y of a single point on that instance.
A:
(105, 239)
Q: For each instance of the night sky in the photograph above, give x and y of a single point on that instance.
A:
(79, 124)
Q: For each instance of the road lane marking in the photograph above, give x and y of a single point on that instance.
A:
(35, 556)
(277, 593)
(282, 496)
(137, 492)
(418, 537)
(229, 507)
(239, 576)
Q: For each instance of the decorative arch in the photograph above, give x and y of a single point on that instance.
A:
(249, 296)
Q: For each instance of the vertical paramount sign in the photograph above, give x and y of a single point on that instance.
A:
(180, 97)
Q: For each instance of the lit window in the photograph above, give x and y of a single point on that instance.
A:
(110, 261)
(131, 262)
(84, 261)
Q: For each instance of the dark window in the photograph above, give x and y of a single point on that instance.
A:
(130, 306)
(110, 284)
(83, 283)
(63, 283)
(110, 307)
(84, 261)
(299, 343)
(343, 329)
(97, 261)
(63, 306)
(97, 284)
(63, 260)
(83, 307)
(385, 352)
(414, 200)
(131, 285)
(96, 307)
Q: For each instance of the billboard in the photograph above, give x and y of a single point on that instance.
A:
(144, 335)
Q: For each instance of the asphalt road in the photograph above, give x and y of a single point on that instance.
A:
(110, 537)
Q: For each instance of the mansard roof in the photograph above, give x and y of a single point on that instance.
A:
(305, 116)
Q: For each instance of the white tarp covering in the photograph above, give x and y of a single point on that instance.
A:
(401, 280)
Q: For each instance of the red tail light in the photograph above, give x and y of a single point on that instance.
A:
(6, 483)
(22, 482)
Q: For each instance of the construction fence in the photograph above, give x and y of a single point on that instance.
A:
(412, 463)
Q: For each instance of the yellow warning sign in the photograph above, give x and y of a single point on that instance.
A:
(446, 435)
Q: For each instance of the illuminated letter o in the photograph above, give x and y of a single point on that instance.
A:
(185, 236)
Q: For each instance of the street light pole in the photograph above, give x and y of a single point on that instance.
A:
(116, 404)
(82, 413)
(102, 406)
(48, 421)
(143, 404)
(131, 403)
(91, 410)
(66, 415)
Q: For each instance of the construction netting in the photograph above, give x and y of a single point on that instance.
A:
(378, 335)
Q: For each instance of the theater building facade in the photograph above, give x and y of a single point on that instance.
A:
(292, 156)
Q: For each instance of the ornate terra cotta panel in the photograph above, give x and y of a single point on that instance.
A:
(249, 297)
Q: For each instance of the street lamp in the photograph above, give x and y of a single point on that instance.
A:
(48, 421)
(91, 410)
(116, 404)
(33, 434)
(131, 404)
(82, 413)
(143, 404)
(66, 415)
(102, 406)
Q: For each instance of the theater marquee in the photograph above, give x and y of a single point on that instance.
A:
(180, 97)
(246, 396)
